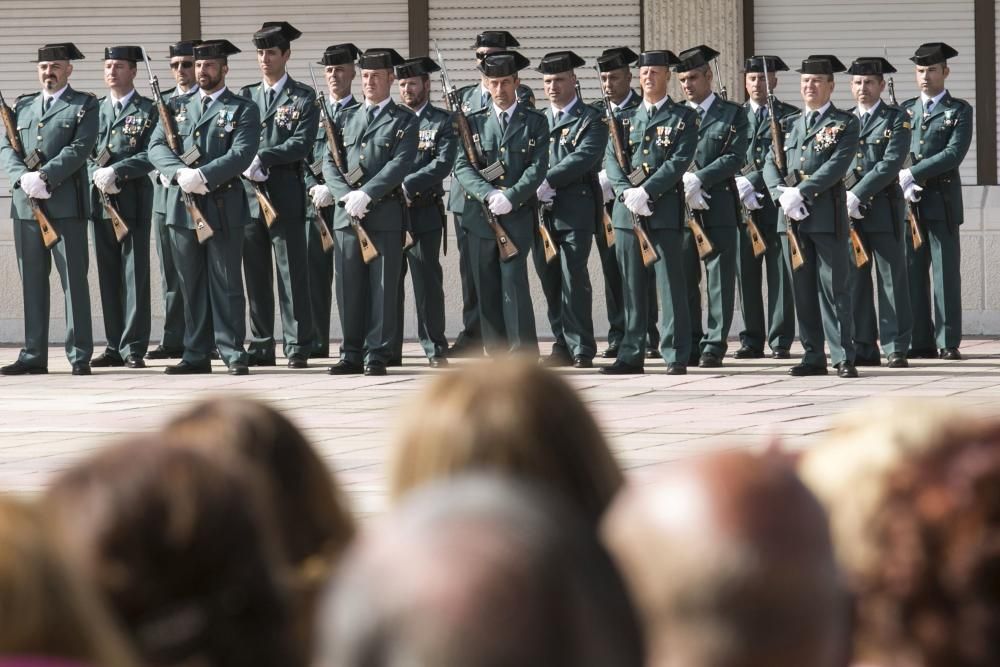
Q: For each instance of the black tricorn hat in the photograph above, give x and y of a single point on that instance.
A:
(216, 48)
(130, 53)
(59, 51)
(380, 59)
(617, 58)
(933, 53)
(416, 67)
(863, 66)
(495, 39)
(657, 58)
(275, 34)
(559, 61)
(694, 58)
(185, 48)
(503, 63)
(756, 64)
(821, 64)
(340, 54)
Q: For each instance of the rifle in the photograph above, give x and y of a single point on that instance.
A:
(203, 231)
(325, 239)
(471, 146)
(408, 241)
(701, 240)
(117, 219)
(798, 260)
(267, 210)
(635, 177)
(861, 257)
(368, 250)
(544, 212)
(50, 236)
(912, 216)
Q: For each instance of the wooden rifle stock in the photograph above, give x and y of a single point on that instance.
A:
(701, 240)
(117, 219)
(916, 236)
(548, 242)
(609, 230)
(858, 250)
(267, 209)
(325, 239)
(756, 238)
(797, 259)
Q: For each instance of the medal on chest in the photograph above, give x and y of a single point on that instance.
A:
(426, 139)
(225, 120)
(285, 115)
(664, 135)
(827, 137)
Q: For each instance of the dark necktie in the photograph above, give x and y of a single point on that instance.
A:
(558, 117)
(206, 101)
(927, 107)
(503, 122)
(865, 117)
(761, 112)
(652, 110)
(811, 119)
(118, 109)
(371, 113)
(47, 104)
(270, 97)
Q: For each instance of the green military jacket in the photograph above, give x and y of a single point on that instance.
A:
(227, 137)
(65, 135)
(126, 140)
(939, 143)
(436, 146)
(883, 144)
(723, 137)
(314, 173)
(576, 148)
(665, 146)
(288, 131)
(385, 152)
(630, 102)
(160, 192)
(757, 149)
(472, 102)
(521, 150)
(822, 156)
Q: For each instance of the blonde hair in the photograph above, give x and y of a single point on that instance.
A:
(511, 417)
(46, 609)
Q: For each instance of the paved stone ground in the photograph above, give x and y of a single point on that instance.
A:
(48, 422)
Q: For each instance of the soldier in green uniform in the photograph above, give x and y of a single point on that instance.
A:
(172, 342)
(820, 146)
(474, 98)
(577, 140)
(661, 137)
(875, 204)
(425, 204)
(380, 146)
(616, 79)
(58, 129)
(710, 187)
(779, 330)
(118, 170)
(219, 134)
(517, 138)
(289, 120)
(942, 134)
(339, 72)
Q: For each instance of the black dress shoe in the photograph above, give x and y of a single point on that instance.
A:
(160, 352)
(107, 360)
(320, 354)
(133, 361)
(214, 354)
(801, 370)
(82, 368)
(747, 352)
(951, 354)
(21, 368)
(709, 360)
(394, 363)
(780, 353)
(897, 360)
(298, 361)
(344, 367)
(261, 361)
(621, 368)
(580, 361)
(861, 361)
(239, 368)
(846, 369)
(922, 353)
(653, 353)
(437, 362)
(556, 360)
(611, 352)
(187, 368)
(375, 369)
(469, 347)
(676, 368)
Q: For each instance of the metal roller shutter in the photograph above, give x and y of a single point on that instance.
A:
(383, 23)
(794, 29)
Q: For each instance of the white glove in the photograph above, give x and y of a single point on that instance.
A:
(609, 192)
(698, 201)
(752, 201)
(905, 178)
(356, 203)
(790, 198)
(191, 181)
(406, 195)
(104, 177)
(798, 213)
(912, 192)
(854, 206)
(254, 171)
(545, 192)
(34, 186)
(691, 183)
(637, 201)
(744, 186)
(164, 181)
(498, 203)
(321, 196)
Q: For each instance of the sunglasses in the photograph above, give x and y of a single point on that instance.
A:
(184, 63)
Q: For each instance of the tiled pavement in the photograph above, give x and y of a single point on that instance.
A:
(48, 422)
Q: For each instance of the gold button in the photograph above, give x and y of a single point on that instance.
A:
(110, 146)
(502, 149)
(41, 125)
(859, 169)
(361, 157)
(645, 151)
(501, 177)
(921, 141)
(802, 159)
(198, 133)
(649, 138)
(362, 144)
(263, 124)
(114, 131)
(862, 142)
(861, 154)
(39, 137)
(920, 156)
